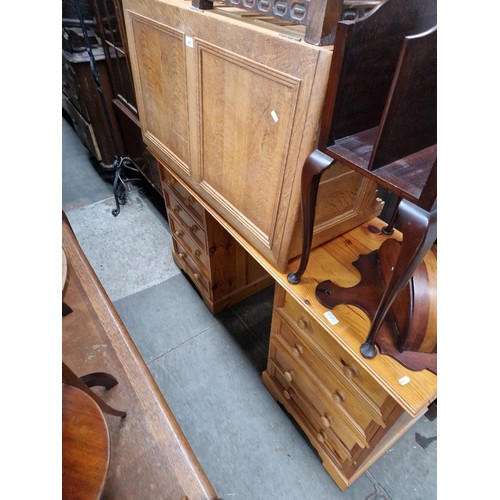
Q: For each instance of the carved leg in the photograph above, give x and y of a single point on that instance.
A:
(419, 229)
(71, 378)
(314, 167)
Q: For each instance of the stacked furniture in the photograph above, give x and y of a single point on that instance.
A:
(245, 122)
(380, 120)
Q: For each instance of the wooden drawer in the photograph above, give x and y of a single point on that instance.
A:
(184, 239)
(321, 437)
(194, 228)
(183, 259)
(310, 332)
(337, 394)
(173, 186)
(330, 415)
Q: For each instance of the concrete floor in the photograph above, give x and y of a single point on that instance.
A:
(209, 367)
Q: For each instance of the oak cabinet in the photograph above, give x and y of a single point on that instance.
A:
(234, 109)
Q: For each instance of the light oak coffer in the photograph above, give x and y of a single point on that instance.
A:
(233, 108)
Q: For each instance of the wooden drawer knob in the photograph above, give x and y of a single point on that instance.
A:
(326, 420)
(287, 394)
(179, 233)
(321, 436)
(194, 228)
(338, 397)
(197, 252)
(350, 371)
(170, 182)
(189, 200)
(303, 323)
(181, 255)
(289, 375)
(297, 350)
(177, 209)
(197, 276)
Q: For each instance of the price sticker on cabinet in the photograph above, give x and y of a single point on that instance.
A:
(331, 317)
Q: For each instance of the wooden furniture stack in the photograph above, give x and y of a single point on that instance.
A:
(352, 409)
(232, 109)
(111, 29)
(380, 120)
(80, 97)
(149, 452)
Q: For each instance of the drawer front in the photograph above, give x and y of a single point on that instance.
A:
(173, 186)
(310, 420)
(194, 228)
(190, 267)
(337, 393)
(312, 333)
(329, 415)
(183, 236)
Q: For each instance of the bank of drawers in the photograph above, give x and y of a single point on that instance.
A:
(340, 407)
(218, 266)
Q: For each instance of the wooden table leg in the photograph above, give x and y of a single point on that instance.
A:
(314, 167)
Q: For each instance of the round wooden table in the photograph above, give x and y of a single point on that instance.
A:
(85, 446)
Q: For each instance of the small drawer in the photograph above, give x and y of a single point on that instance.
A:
(320, 436)
(329, 416)
(312, 332)
(192, 227)
(338, 394)
(189, 266)
(183, 236)
(173, 186)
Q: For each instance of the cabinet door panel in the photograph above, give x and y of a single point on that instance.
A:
(247, 113)
(162, 89)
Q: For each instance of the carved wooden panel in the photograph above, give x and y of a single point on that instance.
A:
(162, 88)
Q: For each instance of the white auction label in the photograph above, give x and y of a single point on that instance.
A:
(331, 317)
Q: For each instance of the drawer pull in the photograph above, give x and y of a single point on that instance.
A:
(181, 255)
(197, 253)
(178, 233)
(197, 276)
(338, 397)
(177, 209)
(194, 228)
(289, 375)
(189, 200)
(321, 436)
(170, 182)
(350, 371)
(303, 323)
(297, 350)
(287, 394)
(326, 420)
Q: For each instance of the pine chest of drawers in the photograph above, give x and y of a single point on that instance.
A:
(222, 271)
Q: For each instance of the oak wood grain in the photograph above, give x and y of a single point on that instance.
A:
(149, 451)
